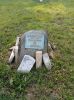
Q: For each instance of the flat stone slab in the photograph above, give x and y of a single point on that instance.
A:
(26, 64)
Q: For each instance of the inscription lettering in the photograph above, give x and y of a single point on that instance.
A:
(34, 41)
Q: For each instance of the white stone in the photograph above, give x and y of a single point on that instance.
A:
(41, 0)
(51, 54)
(12, 48)
(26, 64)
(16, 54)
(49, 46)
(38, 59)
(11, 57)
(17, 41)
(47, 61)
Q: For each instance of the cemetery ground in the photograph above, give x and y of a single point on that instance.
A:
(55, 16)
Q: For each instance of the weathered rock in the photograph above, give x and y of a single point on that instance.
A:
(41, 0)
(32, 41)
(11, 57)
(47, 61)
(49, 46)
(52, 54)
(13, 47)
(26, 64)
(38, 59)
(53, 46)
(17, 41)
(16, 54)
(15, 50)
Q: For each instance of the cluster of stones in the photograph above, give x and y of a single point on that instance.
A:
(31, 48)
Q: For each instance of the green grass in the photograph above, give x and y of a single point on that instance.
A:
(55, 16)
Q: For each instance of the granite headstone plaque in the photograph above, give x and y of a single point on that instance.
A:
(32, 41)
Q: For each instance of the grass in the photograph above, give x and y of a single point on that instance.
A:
(55, 16)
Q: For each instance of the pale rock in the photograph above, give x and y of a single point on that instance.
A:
(16, 54)
(13, 47)
(38, 59)
(53, 46)
(41, 0)
(47, 61)
(26, 64)
(11, 56)
(49, 46)
(17, 41)
(51, 54)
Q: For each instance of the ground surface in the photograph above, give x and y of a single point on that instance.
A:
(55, 16)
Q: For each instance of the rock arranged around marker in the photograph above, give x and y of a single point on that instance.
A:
(26, 64)
(38, 59)
(14, 53)
(47, 61)
(41, 0)
(11, 57)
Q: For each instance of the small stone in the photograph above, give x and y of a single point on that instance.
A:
(51, 54)
(17, 41)
(12, 48)
(53, 46)
(11, 57)
(16, 54)
(26, 64)
(47, 61)
(38, 59)
(41, 0)
(49, 46)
